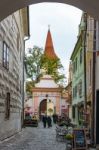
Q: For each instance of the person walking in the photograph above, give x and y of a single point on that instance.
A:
(49, 121)
(55, 118)
(44, 120)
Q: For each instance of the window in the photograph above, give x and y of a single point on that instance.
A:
(80, 56)
(74, 67)
(94, 24)
(80, 115)
(76, 64)
(94, 45)
(7, 111)
(80, 88)
(73, 92)
(73, 111)
(94, 36)
(5, 56)
(76, 91)
(90, 72)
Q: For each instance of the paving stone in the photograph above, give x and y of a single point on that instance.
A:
(32, 138)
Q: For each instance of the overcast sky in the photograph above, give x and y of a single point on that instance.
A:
(63, 20)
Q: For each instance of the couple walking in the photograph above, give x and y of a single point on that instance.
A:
(47, 121)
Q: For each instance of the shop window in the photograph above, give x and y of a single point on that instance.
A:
(7, 111)
(80, 115)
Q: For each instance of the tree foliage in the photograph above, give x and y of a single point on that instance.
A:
(35, 61)
(29, 87)
(52, 67)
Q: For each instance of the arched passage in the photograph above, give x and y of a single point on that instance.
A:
(43, 106)
(8, 7)
(46, 107)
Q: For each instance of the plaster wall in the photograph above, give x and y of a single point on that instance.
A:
(11, 79)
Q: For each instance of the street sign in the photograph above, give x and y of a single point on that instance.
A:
(79, 142)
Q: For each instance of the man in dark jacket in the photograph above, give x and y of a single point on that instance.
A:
(55, 118)
(44, 120)
(49, 121)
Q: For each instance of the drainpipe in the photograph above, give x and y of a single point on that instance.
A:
(93, 88)
(85, 88)
(25, 39)
(23, 92)
(22, 125)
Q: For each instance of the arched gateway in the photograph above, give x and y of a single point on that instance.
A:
(47, 106)
(8, 7)
(47, 96)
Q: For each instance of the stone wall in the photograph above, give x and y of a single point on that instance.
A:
(11, 78)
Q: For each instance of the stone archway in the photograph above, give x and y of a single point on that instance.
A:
(46, 107)
(43, 107)
(8, 7)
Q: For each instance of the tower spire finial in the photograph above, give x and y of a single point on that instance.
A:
(49, 27)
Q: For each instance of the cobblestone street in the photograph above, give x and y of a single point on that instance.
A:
(32, 138)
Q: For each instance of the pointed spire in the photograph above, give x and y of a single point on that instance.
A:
(49, 49)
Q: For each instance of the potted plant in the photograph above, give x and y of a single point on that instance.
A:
(69, 137)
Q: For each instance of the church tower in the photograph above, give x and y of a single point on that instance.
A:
(49, 48)
(47, 93)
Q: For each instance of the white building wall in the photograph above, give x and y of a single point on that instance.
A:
(11, 80)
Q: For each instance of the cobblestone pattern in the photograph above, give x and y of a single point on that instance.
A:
(32, 138)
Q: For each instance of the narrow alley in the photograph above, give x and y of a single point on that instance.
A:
(32, 138)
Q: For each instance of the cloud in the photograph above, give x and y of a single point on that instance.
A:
(63, 20)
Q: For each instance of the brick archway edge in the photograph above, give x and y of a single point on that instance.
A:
(7, 7)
